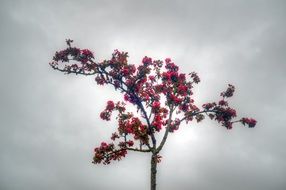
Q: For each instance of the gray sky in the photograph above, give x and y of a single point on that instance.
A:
(49, 122)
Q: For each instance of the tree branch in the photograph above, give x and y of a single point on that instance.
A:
(140, 105)
(139, 150)
(108, 155)
(74, 72)
(166, 131)
(196, 113)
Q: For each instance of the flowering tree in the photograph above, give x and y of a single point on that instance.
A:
(161, 93)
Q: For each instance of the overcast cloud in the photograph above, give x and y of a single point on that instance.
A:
(49, 122)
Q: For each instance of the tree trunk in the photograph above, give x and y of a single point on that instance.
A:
(153, 171)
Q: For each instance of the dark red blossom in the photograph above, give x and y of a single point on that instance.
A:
(184, 107)
(118, 58)
(171, 66)
(62, 56)
(128, 70)
(195, 77)
(114, 136)
(224, 114)
(173, 99)
(199, 117)
(157, 122)
(87, 53)
(110, 105)
(105, 115)
(130, 98)
(146, 61)
(208, 106)
(130, 143)
(182, 90)
(182, 77)
(120, 107)
(229, 91)
(174, 125)
(152, 78)
(168, 60)
(155, 106)
(107, 152)
(100, 80)
(223, 103)
(228, 125)
(249, 121)
(158, 158)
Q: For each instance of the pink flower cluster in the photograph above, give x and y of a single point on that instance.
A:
(229, 91)
(106, 152)
(154, 86)
(249, 121)
(107, 112)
